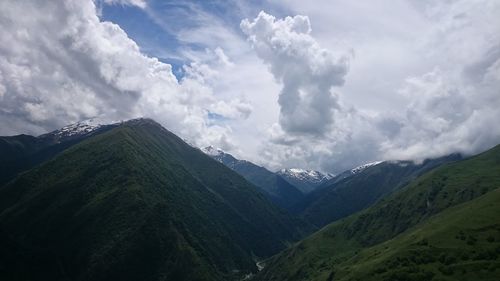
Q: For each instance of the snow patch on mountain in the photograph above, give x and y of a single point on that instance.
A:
(305, 175)
(364, 166)
(212, 151)
(77, 129)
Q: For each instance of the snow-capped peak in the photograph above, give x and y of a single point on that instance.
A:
(82, 127)
(302, 174)
(78, 129)
(212, 151)
(364, 166)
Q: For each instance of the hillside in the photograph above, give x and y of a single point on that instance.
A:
(359, 190)
(136, 203)
(407, 236)
(22, 152)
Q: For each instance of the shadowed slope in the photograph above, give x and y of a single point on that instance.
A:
(137, 203)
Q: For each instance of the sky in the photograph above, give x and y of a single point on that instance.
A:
(323, 84)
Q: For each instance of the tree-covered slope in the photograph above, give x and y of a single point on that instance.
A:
(407, 236)
(358, 191)
(136, 203)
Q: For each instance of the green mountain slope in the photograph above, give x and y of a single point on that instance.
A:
(460, 243)
(359, 191)
(136, 203)
(399, 239)
(22, 152)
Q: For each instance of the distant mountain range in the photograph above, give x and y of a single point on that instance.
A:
(286, 188)
(324, 198)
(305, 180)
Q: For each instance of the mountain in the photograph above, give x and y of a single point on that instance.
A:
(442, 226)
(305, 180)
(272, 185)
(348, 173)
(22, 152)
(361, 187)
(136, 203)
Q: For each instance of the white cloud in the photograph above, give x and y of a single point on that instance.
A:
(445, 103)
(424, 81)
(306, 71)
(92, 68)
(452, 108)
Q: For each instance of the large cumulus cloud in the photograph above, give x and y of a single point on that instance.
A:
(69, 66)
(451, 107)
(307, 71)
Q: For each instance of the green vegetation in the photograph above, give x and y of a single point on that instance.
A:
(357, 192)
(136, 203)
(22, 152)
(443, 226)
(16, 152)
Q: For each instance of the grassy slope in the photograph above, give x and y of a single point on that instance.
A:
(333, 252)
(135, 203)
(460, 243)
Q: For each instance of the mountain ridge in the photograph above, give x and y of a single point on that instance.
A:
(333, 252)
(277, 189)
(136, 202)
(22, 152)
(352, 192)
